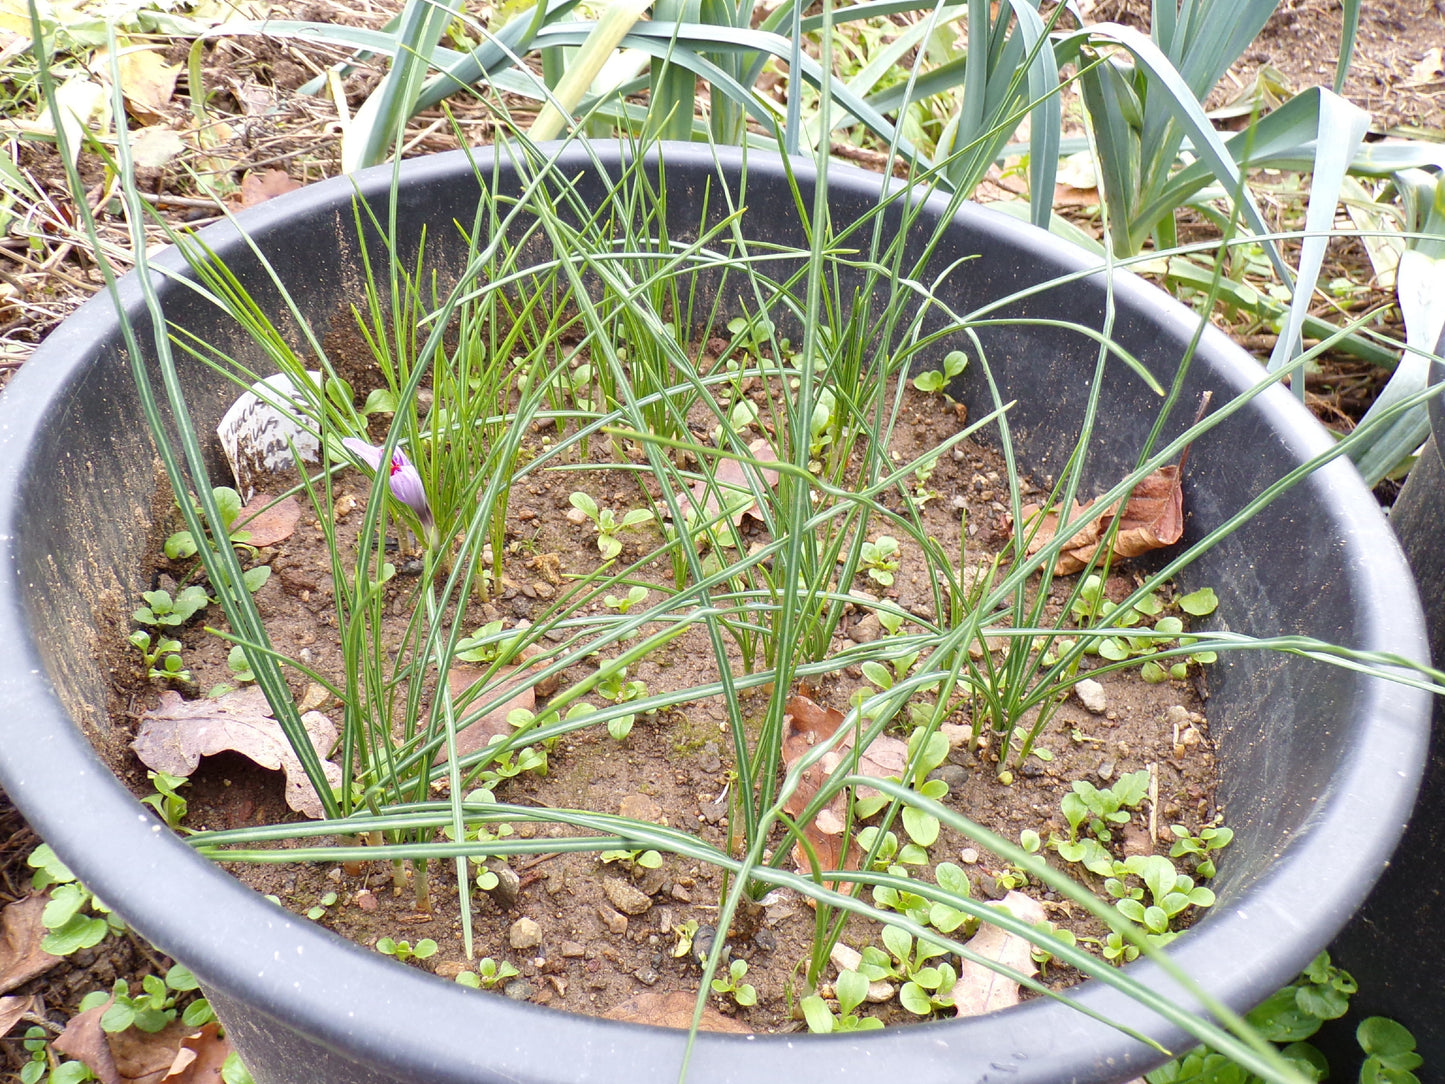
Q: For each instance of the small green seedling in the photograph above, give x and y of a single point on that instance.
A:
(1170, 892)
(1294, 1014)
(163, 611)
(635, 595)
(685, 932)
(154, 1007)
(162, 657)
(634, 859)
(935, 380)
(488, 644)
(880, 558)
(615, 687)
(228, 502)
(488, 974)
(74, 919)
(1389, 1052)
(901, 960)
(1201, 846)
(732, 985)
(38, 1069)
(404, 951)
(607, 523)
(318, 911)
(165, 801)
(1098, 809)
(851, 990)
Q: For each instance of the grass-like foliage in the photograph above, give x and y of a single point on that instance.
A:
(571, 328)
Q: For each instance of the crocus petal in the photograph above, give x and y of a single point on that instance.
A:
(403, 478)
(406, 486)
(367, 453)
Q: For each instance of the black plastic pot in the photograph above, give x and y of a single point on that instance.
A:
(1320, 764)
(1392, 945)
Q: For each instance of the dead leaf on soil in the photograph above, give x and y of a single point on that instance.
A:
(155, 145)
(1153, 517)
(673, 1010)
(21, 930)
(979, 989)
(477, 735)
(84, 1040)
(146, 80)
(732, 477)
(146, 1058)
(11, 1010)
(1430, 68)
(267, 526)
(259, 185)
(200, 1057)
(805, 725)
(175, 736)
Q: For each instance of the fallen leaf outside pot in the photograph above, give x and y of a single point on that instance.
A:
(21, 930)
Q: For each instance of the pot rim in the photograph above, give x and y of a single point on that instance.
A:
(348, 997)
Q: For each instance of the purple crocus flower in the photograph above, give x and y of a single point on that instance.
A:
(405, 482)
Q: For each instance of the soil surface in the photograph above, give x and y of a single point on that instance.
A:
(588, 935)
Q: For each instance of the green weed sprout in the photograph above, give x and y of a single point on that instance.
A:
(182, 544)
(161, 657)
(74, 919)
(488, 975)
(851, 991)
(607, 523)
(404, 950)
(156, 1006)
(166, 800)
(163, 611)
(732, 985)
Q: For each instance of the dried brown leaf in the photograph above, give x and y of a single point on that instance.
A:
(146, 1057)
(175, 736)
(1153, 517)
(267, 526)
(807, 723)
(732, 476)
(84, 1040)
(21, 930)
(11, 1010)
(477, 735)
(200, 1057)
(980, 989)
(146, 80)
(673, 1010)
(260, 185)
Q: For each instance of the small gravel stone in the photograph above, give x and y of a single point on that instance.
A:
(866, 630)
(955, 776)
(956, 733)
(572, 949)
(645, 975)
(577, 516)
(1177, 715)
(508, 888)
(1106, 768)
(519, 989)
(969, 856)
(1091, 695)
(616, 924)
(524, 934)
(625, 897)
(640, 807)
